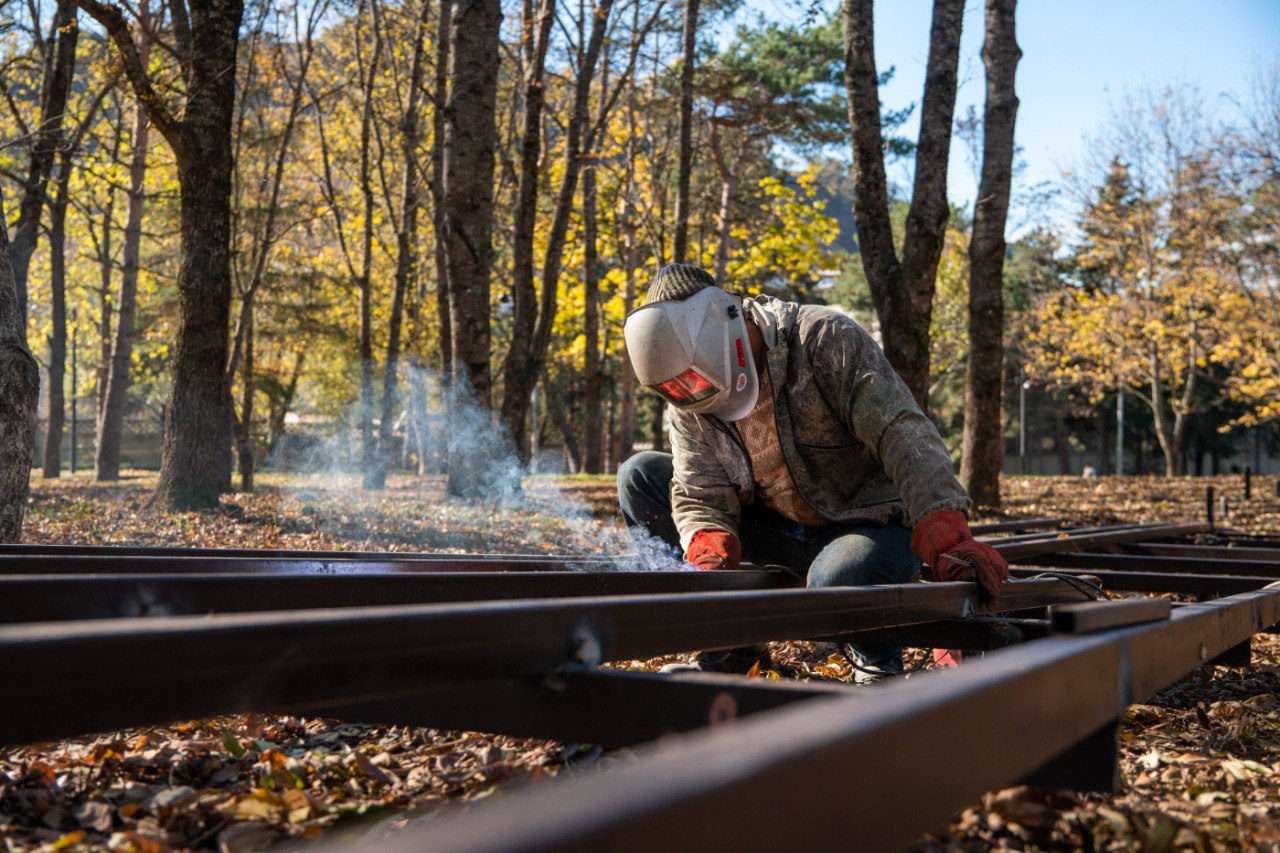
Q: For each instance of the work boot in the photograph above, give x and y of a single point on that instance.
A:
(868, 670)
(729, 661)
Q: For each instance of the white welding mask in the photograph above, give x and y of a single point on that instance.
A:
(696, 353)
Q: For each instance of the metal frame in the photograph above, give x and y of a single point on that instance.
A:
(511, 644)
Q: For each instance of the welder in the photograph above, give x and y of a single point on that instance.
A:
(794, 443)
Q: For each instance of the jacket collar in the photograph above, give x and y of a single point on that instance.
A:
(774, 318)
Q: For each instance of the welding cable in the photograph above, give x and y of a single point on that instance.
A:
(1087, 588)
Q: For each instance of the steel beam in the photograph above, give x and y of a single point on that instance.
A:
(1077, 531)
(33, 550)
(1239, 656)
(609, 707)
(1093, 616)
(1023, 550)
(1203, 586)
(1222, 553)
(1147, 563)
(979, 634)
(1093, 764)
(149, 670)
(880, 769)
(390, 563)
(41, 598)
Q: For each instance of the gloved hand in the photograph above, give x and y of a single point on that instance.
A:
(712, 549)
(944, 542)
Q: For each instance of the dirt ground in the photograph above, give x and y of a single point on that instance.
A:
(1200, 761)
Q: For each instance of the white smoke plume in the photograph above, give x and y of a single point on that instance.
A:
(506, 497)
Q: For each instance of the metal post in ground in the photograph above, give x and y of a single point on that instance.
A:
(1120, 434)
(1022, 422)
(1248, 482)
(1208, 505)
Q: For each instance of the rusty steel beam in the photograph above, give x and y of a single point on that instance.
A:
(1211, 552)
(48, 598)
(1164, 565)
(1202, 586)
(181, 667)
(1093, 616)
(860, 768)
(610, 707)
(387, 564)
(1072, 542)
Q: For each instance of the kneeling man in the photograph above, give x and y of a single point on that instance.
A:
(795, 443)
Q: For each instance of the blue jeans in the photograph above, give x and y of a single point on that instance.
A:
(836, 555)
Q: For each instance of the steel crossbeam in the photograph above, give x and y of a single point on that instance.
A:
(510, 644)
(865, 770)
(189, 666)
(1170, 565)
(49, 598)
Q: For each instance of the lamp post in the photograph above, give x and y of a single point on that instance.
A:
(1120, 434)
(1023, 385)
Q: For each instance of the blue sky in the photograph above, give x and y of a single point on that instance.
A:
(1079, 58)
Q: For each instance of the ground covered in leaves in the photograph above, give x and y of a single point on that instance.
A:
(1200, 761)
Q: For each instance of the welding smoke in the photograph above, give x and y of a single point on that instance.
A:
(501, 501)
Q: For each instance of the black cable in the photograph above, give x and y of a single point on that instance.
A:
(1087, 588)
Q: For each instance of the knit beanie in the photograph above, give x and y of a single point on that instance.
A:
(675, 282)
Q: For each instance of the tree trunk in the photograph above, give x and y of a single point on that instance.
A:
(470, 137)
(561, 416)
(54, 89)
(627, 380)
(1062, 445)
(195, 466)
(106, 275)
(440, 89)
(536, 32)
(902, 290)
(371, 461)
(195, 463)
(279, 411)
(984, 377)
(244, 432)
(627, 227)
(58, 309)
(591, 374)
(111, 418)
(657, 410)
(406, 261)
(524, 362)
(19, 395)
(684, 160)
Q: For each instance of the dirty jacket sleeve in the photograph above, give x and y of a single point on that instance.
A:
(702, 494)
(879, 410)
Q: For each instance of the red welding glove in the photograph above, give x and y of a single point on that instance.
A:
(712, 550)
(944, 542)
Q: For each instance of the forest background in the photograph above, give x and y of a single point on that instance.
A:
(338, 235)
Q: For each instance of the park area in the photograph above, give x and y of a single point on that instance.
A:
(1198, 761)
(328, 329)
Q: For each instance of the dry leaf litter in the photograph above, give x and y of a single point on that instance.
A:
(1200, 761)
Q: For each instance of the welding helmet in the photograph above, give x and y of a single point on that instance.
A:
(695, 353)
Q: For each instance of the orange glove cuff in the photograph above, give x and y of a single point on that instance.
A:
(712, 549)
